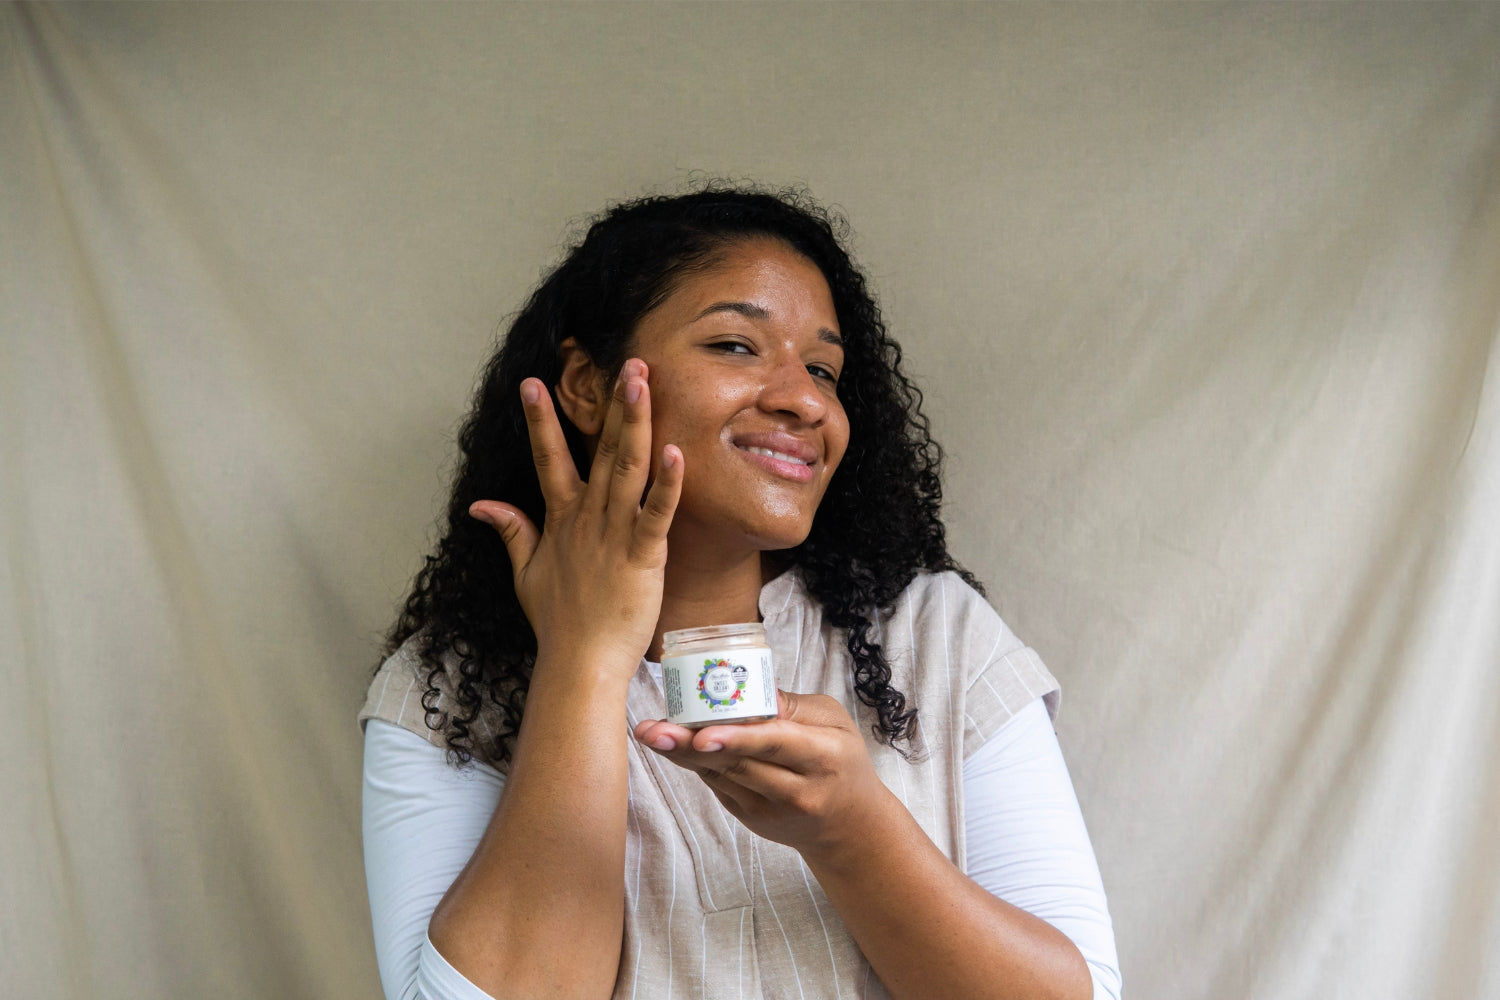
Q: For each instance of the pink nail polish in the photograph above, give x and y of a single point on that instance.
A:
(664, 743)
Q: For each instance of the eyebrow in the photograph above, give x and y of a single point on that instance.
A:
(752, 311)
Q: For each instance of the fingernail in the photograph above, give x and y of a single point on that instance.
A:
(632, 391)
(530, 393)
(711, 746)
(494, 518)
(664, 743)
(669, 457)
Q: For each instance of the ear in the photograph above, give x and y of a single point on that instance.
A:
(582, 389)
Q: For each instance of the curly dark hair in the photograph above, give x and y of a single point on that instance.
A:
(878, 524)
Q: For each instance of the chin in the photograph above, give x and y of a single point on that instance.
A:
(773, 533)
(769, 535)
(757, 534)
(782, 542)
(748, 519)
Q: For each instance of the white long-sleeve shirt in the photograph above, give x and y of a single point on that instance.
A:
(1026, 844)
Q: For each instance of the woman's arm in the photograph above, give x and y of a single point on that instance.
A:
(422, 820)
(805, 780)
(1027, 842)
(539, 908)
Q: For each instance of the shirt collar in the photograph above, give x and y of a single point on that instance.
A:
(779, 594)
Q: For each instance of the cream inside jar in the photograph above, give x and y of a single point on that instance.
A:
(718, 674)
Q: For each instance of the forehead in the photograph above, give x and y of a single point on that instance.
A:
(765, 274)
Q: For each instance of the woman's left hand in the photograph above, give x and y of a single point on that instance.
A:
(803, 779)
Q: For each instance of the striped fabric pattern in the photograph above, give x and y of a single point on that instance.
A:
(713, 911)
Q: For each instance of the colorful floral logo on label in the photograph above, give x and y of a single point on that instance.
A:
(722, 683)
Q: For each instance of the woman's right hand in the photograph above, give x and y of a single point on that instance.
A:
(590, 579)
(539, 909)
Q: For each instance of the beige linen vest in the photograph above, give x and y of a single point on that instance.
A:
(713, 911)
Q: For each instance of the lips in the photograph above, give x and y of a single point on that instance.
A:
(782, 454)
(779, 444)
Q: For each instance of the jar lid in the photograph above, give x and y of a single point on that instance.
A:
(678, 637)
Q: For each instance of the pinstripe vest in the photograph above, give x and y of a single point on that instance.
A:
(713, 911)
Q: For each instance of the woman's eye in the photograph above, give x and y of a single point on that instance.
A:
(730, 347)
(823, 372)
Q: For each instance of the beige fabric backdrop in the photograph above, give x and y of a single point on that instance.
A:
(1206, 301)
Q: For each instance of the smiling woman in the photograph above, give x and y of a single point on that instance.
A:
(699, 419)
(744, 363)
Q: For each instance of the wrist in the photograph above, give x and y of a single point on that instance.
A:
(582, 672)
(592, 664)
(864, 838)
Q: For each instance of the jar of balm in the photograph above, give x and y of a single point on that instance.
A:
(718, 674)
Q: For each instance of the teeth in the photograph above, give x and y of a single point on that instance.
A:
(783, 456)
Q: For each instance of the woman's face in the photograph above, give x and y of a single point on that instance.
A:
(743, 363)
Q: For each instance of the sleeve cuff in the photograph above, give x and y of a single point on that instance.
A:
(437, 980)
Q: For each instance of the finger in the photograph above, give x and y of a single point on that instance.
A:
(658, 734)
(731, 773)
(812, 710)
(516, 530)
(788, 745)
(748, 779)
(607, 448)
(549, 449)
(661, 503)
(676, 744)
(632, 466)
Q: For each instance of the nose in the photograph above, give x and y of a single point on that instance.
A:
(791, 389)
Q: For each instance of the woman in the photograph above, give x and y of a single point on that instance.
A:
(753, 453)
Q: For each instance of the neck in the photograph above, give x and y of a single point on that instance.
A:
(703, 587)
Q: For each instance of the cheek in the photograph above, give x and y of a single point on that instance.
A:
(838, 439)
(689, 409)
(671, 425)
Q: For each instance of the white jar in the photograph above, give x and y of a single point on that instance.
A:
(718, 674)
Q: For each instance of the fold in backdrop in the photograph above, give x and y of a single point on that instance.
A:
(1205, 300)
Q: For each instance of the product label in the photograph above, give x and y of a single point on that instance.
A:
(719, 686)
(722, 683)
